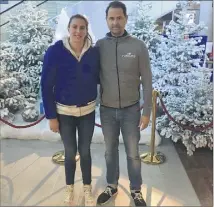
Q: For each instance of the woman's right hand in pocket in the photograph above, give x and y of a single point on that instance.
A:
(54, 125)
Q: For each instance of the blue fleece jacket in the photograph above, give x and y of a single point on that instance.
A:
(66, 80)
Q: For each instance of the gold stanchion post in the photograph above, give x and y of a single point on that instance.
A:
(152, 157)
(59, 157)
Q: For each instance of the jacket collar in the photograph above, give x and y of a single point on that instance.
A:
(124, 36)
(66, 44)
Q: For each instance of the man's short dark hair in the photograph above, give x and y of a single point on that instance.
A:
(116, 4)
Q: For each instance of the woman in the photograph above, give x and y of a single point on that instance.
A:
(69, 90)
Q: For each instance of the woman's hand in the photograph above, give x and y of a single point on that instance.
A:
(54, 125)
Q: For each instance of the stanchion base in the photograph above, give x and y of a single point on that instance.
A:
(59, 157)
(158, 158)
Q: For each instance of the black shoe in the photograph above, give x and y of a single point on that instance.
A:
(138, 198)
(105, 196)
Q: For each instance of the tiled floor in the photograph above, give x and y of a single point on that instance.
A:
(28, 177)
(199, 168)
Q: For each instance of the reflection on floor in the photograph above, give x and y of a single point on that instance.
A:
(28, 177)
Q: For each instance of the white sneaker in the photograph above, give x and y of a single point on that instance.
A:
(69, 194)
(89, 201)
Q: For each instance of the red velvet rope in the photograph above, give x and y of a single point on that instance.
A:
(194, 129)
(98, 125)
(25, 126)
(34, 123)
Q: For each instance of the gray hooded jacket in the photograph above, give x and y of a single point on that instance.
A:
(124, 65)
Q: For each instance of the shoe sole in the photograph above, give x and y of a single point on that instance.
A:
(108, 199)
(69, 203)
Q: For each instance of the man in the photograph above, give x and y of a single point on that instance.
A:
(124, 59)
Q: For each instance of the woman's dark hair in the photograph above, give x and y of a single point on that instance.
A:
(79, 16)
(117, 4)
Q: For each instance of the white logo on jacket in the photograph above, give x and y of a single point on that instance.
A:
(129, 55)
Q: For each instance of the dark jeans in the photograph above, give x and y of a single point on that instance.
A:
(127, 120)
(85, 127)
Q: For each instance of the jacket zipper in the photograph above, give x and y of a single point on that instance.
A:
(118, 79)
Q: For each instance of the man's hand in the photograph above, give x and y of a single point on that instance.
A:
(144, 122)
(54, 125)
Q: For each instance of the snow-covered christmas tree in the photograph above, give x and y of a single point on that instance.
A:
(176, 50)
(184, 85)
(143, 26)
(11, 96)
(29, 35)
